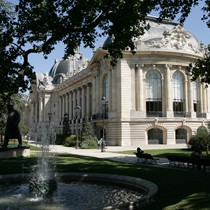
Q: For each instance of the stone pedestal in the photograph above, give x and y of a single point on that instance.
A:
(12, 152)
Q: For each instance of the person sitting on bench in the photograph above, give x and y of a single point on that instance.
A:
(139, 151)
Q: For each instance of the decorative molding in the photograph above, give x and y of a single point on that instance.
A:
(177, 39)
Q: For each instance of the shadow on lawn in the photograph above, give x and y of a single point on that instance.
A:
(17, 165)
(180, 152)
(76, 163)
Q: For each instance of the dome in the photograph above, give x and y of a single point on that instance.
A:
(63, 69)
(165, 36)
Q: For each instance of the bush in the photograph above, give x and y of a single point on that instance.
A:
(70, 141)
(201, 140)
(59, 139)
(89, 143)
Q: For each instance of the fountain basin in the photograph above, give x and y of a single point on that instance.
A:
(147, 189)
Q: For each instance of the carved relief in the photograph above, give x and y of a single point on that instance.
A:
(175, 39)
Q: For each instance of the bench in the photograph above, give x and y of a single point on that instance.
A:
(146, 158)
(188, 162)
(179, 160)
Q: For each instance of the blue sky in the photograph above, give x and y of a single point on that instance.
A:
(193, 24)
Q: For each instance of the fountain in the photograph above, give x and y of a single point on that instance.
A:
(70, 191)
(43, 179)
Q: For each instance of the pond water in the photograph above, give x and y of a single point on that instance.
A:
(68, 196)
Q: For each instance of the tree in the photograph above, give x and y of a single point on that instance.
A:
(201, 69)
(37, 26)
(15, 76)
(88, 141)
(201, 140)
(18, 101)
(86, 129)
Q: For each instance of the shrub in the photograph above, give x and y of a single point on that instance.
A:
(59, 139)
(70, 141)
(89, 143)
(200, 141)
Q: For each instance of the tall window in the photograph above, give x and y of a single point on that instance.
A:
(106, 87)
(195, 90)
(178, 94)
(153, 94)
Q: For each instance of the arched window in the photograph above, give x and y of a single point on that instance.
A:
(178, 94)
(155, 136)
(181, 136)
(153, 94)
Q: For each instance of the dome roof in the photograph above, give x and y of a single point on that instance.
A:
(63, 69)
(165, 36)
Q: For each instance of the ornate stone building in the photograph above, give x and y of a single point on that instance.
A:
(147, 98)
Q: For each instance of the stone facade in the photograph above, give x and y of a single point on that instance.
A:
(148, 98)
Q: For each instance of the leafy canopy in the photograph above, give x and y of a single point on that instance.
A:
(36, 26)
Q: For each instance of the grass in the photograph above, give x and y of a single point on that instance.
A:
(165, 152)
(178, 189)
(14, 143)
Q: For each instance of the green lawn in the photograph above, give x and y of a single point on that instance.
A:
(165, 152)
(178, 189)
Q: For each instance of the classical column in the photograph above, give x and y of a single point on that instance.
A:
(94, 95)
(83, 102)
(110, 89)
(163, 95)
(204, 98)
(168, 93)
(113, 103)
(97, 96)
(74, 99)
(190, 98)
(78, 97)
(67, 103)
(201, 98)
(35, 114)
(63, 105)
(70, 105)
(40, 108)
(190, 95)
(88, 100)
(59, 108)
(137, 88)
(186, 96)
(32, 113)
(140, 95)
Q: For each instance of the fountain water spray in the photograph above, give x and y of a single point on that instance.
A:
(43, 181)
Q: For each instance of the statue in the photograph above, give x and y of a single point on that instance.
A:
(12, 130)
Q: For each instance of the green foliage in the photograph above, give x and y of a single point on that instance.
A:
(23, 128)
(201, 69)
(18, 101)
(22, 31)
(66, 128)
(59, 139)
(86, 129)
(201, 140)
(89, 143)
(70, 141)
